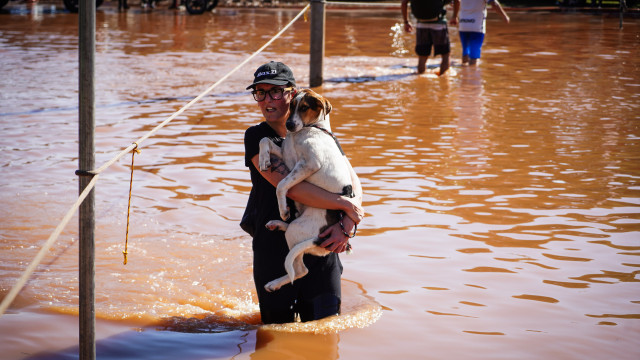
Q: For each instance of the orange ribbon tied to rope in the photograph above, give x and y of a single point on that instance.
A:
(126, 238)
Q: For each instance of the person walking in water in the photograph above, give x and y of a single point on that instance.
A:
(318, 294)
(472, 26)
(431, 30)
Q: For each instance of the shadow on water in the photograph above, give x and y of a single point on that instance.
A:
(369, 78)
(32, 9)
(139, 344)
(211, 337)
(255, 344)
(386, 77)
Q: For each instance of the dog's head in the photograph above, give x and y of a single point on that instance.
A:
(308, 108)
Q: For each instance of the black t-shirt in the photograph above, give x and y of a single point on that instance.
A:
(428, 9)
(263, 203)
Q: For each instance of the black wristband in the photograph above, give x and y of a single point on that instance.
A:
(355, 227)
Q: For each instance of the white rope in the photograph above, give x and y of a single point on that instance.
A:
(56, 233)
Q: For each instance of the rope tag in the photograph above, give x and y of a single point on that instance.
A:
(126, 238)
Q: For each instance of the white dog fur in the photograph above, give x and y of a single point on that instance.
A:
(313, 155)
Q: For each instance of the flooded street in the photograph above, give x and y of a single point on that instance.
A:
(503, 201)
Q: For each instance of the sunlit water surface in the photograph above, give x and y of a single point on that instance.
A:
(503, 202)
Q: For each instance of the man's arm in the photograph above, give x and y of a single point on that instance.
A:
(405, 16)
(495, 5)
(337, 240)
(456, 10)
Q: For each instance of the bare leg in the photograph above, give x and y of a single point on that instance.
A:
(444, 65)
(422, 64)
(465, 59)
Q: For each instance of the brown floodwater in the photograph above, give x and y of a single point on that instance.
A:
(503, 201)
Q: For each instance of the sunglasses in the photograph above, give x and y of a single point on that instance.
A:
(275, 93)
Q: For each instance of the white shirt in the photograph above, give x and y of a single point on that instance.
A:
(472, 15)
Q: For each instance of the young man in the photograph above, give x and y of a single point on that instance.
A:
(472, 26)
(318, 294)
(431, 30)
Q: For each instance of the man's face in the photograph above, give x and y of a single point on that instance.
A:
(274, 111)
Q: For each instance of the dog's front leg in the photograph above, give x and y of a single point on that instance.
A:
(300, 171)
(304, 167)
(277, 225)
(267, 147)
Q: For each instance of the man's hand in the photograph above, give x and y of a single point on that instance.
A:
(408, 27)
(337, 241)
(353, 210)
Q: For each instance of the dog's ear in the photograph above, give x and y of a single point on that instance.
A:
(294, 101)
(292, 104)
(327, 106)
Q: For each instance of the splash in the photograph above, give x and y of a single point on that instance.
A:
(397, 43)
(362, 318)
(358, 311)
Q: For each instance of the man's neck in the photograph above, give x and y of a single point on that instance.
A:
(280, 127)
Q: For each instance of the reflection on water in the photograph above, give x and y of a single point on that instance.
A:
(502, 202)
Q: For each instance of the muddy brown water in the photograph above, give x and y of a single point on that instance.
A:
(503, 201)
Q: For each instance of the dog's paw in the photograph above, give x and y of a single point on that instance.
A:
(271, 286)
(265, 164)
(349, 249)
(285, 213)
(277, 225)
(271, 225)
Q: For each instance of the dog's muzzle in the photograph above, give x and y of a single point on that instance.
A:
(291, 126)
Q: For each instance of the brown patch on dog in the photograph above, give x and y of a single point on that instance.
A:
(309, 106)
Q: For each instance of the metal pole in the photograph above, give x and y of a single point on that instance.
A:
(316, 47)
(86, 151)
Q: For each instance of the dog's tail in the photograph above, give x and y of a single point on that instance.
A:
(298, 250)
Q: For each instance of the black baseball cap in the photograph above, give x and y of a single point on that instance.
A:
(273, 72)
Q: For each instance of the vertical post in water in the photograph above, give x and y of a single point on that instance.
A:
(86, 120)
(623, 7)
(316, 47)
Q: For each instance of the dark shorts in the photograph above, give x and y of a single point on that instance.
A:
(428, 38)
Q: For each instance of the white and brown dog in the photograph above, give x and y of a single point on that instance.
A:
(312, 153)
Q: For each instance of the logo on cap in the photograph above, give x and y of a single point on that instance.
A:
(265, 73)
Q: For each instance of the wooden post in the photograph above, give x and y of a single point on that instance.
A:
(623, 7)
(316, 47)
(86, 151)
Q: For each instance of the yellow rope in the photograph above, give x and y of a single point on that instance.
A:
(126, 237)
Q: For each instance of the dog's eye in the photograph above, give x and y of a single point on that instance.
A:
(304, 107)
